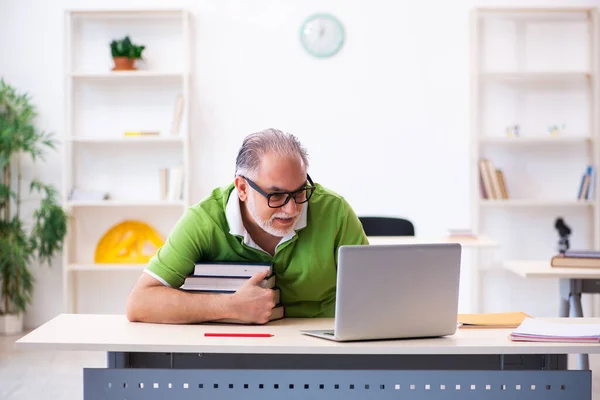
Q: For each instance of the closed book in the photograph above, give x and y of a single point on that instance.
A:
(276, 292)
(491, 320)
(533, 330)
(561, 261)
(582, 253)
(277, 313)
(226, 268)
(215, 283)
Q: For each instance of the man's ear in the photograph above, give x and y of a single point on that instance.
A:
(242, 187)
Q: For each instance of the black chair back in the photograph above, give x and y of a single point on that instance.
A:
(387, 226)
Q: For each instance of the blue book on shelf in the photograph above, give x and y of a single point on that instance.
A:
(581, 184)
(591, 191)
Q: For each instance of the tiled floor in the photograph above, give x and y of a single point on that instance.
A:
(57, 375)
(33, 375)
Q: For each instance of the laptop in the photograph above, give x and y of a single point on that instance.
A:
(395, 292)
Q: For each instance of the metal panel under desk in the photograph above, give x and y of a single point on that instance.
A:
(182, 384)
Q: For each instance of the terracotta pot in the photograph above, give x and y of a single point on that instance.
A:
(124, 64)
(11, 324)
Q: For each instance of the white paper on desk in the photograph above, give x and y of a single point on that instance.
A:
(537, 327)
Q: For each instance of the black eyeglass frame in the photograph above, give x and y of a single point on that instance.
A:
(309, 192)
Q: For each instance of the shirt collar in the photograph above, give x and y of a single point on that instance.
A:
(233, 213)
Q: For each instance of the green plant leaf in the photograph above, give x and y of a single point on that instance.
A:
(125, 48)
(20, 246)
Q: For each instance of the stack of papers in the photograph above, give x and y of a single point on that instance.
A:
(534, 330)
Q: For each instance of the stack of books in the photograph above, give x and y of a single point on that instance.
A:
(492, 181)
(228, 277)
(577, 259)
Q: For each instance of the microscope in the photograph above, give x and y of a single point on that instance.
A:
(563, 232)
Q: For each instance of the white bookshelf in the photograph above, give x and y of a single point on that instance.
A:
(100, 106)
(535, 67)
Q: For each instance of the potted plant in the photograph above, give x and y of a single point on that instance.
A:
(125, 53)
(30, 236)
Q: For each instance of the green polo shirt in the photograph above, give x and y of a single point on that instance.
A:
(305, 262)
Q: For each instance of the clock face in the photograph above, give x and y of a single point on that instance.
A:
(322, 35)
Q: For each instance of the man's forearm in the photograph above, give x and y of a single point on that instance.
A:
(161, 304)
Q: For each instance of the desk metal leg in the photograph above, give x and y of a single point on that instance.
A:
(576, 305)
(570, 305)
(583, 361)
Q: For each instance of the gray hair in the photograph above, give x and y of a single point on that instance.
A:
(257, 144)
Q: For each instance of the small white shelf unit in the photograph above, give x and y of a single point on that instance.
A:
(536, 68)
(101, 105)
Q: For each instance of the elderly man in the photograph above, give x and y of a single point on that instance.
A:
(272, 212)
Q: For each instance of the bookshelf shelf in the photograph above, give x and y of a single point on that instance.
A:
(535, 203)
(540, 140)
(124, 203)
(139, 74)
(124, 13)
(127, 140)
(147, 177)
(81, 267)
(535, 76)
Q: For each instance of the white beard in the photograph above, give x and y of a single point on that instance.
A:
(267, 226)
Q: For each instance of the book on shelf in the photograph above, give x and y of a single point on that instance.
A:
(491, 320)
(587, 185)
(177, 116)
(171, 183)
(535, 330)
(576, 259)
(492, 181)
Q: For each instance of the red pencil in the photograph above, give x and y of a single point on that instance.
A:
(238, 334)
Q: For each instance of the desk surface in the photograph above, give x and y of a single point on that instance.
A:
(481, 241)
(116, 333)
(543, 269)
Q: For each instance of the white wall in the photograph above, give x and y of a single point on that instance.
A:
(386, 121)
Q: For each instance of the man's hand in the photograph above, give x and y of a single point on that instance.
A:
(251, 303)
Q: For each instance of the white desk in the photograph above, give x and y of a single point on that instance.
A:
(573, 283)
(153, 361)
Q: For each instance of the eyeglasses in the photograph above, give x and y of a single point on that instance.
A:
(280, 199)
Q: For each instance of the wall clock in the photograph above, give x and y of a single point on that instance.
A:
(322, 35)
